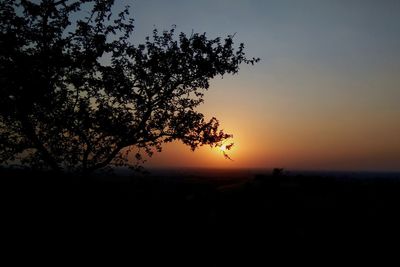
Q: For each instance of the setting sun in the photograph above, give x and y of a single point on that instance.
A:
(222, 148)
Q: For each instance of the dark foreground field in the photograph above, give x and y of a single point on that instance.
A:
(189, 220)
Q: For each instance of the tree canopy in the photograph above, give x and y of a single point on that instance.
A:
(76, 94)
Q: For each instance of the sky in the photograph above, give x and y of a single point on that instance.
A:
(324, 95)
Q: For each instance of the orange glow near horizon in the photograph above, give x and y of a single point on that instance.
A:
(290, 138)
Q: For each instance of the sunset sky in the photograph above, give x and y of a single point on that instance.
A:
(324, 96)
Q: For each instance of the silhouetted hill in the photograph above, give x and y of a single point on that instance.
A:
(192, 220)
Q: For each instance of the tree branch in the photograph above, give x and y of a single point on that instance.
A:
(31, 134)
(107, 160)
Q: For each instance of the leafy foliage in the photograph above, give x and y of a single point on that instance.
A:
(77, 95)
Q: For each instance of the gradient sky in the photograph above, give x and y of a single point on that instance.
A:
(324, 96)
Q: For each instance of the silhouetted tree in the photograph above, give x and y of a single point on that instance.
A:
(277, 172)
(77, 95)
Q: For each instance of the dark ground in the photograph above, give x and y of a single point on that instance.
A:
(189, 221)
